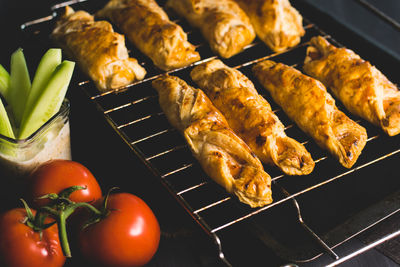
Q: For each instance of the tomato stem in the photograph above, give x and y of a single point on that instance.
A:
(68, 191)
(60, 208)
(61, 215)
(87, 206)
(38, 222)
(48, 210)
(104, 206)
(28, 210)
(62, 231)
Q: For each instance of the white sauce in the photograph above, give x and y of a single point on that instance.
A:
(16, 165)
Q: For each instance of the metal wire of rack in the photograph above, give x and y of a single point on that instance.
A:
(134, 113)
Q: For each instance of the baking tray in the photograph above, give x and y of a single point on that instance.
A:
(311, 215)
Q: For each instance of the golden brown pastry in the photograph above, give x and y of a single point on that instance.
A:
(99, 51)
(362, 88)
(276, 22)
(148, 27)
(222, 154)
(306, 101)
(251, 117)
(223, 23)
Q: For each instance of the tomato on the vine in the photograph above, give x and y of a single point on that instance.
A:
(21, 246)
(56, 175)
(128, 236)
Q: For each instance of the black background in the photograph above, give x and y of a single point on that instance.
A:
(96, 145)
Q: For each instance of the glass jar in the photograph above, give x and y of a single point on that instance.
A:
(19, 157)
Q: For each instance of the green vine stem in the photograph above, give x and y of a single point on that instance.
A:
(60, 208)
(61, 215)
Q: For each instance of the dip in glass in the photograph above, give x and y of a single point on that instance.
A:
(19, 157)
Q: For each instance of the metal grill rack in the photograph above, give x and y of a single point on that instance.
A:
(134, 113)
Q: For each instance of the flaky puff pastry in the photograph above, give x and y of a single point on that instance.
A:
(306, 101)
(222, 154)
(276, 22)
(223, 23)
(362, 88)
(251, 117)
(99, 51)
(148, 27)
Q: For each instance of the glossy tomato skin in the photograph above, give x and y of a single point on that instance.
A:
(20, 246)
(55, 175)
(128, 236)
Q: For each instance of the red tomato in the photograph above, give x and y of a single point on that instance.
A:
(128, 236)
(21, 246)
(56, 175)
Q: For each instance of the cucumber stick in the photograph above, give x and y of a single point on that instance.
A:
(4, 82)
(49, 100)
(5, 125)
(50, 60)
(20, 85)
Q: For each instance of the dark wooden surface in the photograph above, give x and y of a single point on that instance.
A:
(96, 145)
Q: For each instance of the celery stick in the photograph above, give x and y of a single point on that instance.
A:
(50, 99)
(4, 82)
(50, 60)
(5, 125)
(20, 85)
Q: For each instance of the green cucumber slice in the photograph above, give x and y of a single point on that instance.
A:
(4, 81)
(20, 85)
(49, 100)
(48, 63)
(5, 125)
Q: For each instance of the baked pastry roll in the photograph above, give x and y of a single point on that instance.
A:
(361, 87)
(148, 27)
(223, 23)
(276, 22)
(222, 154)
(306, 101)
(251, 117)
(99, 51)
